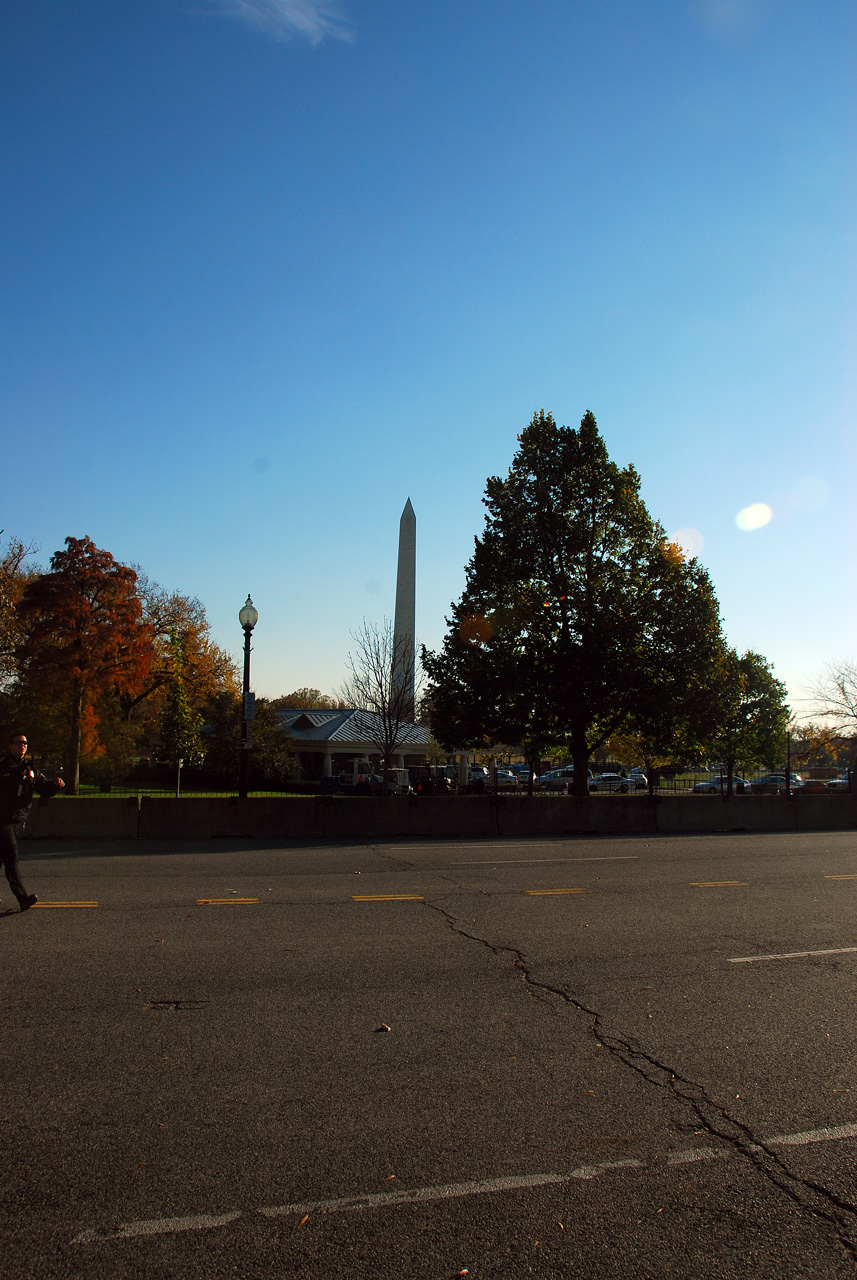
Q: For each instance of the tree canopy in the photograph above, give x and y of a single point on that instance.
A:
(83, 633)
(752, 715)
(180, 725)
(579, 617)
(15, 575)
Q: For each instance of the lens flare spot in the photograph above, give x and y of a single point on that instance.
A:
(689, 539)
(756, 516)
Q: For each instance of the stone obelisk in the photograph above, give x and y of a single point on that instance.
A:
(404, 624)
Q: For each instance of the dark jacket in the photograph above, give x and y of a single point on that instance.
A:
(18, 784)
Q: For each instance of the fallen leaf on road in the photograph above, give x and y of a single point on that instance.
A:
(304, 1219)
(390, 1177)
(383, 1027)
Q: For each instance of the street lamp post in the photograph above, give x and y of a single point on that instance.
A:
(248, 617)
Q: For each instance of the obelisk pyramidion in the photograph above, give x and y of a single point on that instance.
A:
(404, 624)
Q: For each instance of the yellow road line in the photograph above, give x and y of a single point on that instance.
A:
(387, 897)
(715, 884)
(543, 893)
(224, 902)
(36, 905)
(840, 877)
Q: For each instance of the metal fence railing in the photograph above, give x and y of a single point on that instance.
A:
(680, 785)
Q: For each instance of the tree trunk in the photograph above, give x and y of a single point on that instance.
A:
(74, 739)
(580, 760)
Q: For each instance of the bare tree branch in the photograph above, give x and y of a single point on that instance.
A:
(835, 692)
(374, 685)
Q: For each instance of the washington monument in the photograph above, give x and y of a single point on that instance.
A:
(404, 623)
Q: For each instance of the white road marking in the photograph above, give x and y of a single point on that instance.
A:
(419, 1195)
(379, 1199)
(829, 1134)
(586, 1171)
(832, 1133)
(793, 955)
(693, 1157)
(159, 1226)
(520, 862)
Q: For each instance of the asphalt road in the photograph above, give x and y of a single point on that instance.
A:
(591, 1057)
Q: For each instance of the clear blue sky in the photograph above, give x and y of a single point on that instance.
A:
(271, 267)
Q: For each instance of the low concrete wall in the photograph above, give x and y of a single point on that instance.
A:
(200, 818)
(438, 817)
(83, 818)
(716, 813)
(824, 813)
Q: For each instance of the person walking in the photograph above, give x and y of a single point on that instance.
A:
(18, 784)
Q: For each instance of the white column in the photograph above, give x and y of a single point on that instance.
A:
(404, 619)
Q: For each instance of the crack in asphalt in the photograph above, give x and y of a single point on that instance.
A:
(809, 1195)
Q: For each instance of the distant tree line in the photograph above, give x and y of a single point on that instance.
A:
(105, 668)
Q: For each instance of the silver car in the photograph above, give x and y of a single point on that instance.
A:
(839, 784)
(609, 782)
(557, 779)
(716, 784)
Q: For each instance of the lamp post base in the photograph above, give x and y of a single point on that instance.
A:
(243, 762)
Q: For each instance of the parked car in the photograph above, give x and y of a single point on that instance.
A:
(480, 779)
(560, 779)
(771, 784)
(717, 783)
(557, 779)
(638, 779)
(427, 780)
(610, 782)
(521, 771)
(813, 786)
(477, 779)
(839, 784)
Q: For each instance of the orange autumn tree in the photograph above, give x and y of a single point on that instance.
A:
(84, 635)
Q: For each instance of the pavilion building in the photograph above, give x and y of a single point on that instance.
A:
(326, 739)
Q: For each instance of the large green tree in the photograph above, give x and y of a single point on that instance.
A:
(753, 715)
(579, 618)
(180, 725)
